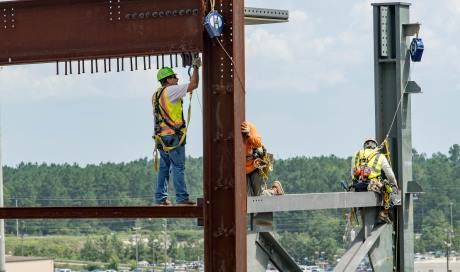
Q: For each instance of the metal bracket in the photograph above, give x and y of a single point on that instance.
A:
(414, 188)
(261, 222)
(411, 29)
(412, 87)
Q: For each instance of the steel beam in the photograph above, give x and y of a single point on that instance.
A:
(223, 156)
(392, 67)
(257, 16)
(102, 212)
(314, 201)
(350, 263)
(49, 30)
(276, 253)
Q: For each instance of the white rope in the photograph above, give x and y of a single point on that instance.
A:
(213, 2)
(234, 66)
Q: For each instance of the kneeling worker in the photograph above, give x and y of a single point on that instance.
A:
(258, 164)
(371, 171)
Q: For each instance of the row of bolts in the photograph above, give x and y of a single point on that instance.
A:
(133, 64)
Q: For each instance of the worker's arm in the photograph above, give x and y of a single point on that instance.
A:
(252, 135)
(389, 172)
(194, 80)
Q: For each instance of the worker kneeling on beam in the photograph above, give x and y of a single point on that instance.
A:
(170, 133)
(371, 171)
(259, 163)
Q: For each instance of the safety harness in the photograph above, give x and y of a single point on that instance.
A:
(161, 115)
(263, 161)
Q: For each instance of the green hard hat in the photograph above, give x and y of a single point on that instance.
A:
(164, 73)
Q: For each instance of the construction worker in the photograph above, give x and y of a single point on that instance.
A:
(170, 133)
(258, 164)
(371, 171)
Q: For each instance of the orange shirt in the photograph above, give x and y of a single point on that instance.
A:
(253, 140)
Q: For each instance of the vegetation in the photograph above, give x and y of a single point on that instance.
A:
(311, 235)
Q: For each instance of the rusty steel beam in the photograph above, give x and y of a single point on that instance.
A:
(49, 30)
(102, 212)
(224, 156)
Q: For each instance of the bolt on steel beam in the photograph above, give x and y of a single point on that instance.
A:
(131, 28)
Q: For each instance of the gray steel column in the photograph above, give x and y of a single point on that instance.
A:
(392, 66)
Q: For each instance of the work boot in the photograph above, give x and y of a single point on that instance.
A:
(186, 202)
(383, 216)
(277, 188)
(165, 202)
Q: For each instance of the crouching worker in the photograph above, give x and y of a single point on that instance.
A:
(259, 163)
(371, 171)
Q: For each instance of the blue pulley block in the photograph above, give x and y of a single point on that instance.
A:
(416, 49)
(214, 24)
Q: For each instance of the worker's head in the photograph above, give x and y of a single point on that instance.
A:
(166, 76)
(370, 143)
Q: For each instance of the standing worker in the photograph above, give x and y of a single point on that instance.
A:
(258, 164)
(170, 133)
(371, 171)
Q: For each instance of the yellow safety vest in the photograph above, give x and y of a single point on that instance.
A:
(369, 158)
(171, 113)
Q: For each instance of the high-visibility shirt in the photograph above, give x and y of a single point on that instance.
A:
(369, 158)
(171, 112)
(253, 140)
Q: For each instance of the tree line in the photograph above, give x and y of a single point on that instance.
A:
(311, 235)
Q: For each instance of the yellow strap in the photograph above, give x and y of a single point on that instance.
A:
(155, 161)
(158, 139)
(387, 150)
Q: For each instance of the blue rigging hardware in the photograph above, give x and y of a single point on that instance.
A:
(214, 24)
(416, 49)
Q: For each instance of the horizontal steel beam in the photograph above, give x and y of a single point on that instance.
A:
(257, 16)
(102, 212)
(314, 201)
(49, 30)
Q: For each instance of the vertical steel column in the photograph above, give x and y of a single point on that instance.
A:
(392, 66)
(224, 159)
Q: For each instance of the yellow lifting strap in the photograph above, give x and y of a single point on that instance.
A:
(158, 140)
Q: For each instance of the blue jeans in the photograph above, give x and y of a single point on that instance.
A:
(171, 162)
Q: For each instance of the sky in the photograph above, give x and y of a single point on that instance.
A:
(309, 90)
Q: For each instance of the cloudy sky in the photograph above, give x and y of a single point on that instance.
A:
(309, 90)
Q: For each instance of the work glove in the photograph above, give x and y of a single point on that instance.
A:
(395, 199)
(245, 128)
(196, 62)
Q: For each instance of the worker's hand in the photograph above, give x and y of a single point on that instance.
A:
(245, 128)
(196, 62)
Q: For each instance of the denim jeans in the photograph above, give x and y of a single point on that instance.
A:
(171, 162)
(256, 185)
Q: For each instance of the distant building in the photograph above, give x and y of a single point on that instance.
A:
(35, 264)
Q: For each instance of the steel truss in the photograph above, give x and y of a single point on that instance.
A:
(36, 31)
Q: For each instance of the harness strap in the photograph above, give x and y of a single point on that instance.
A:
(158, 139)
